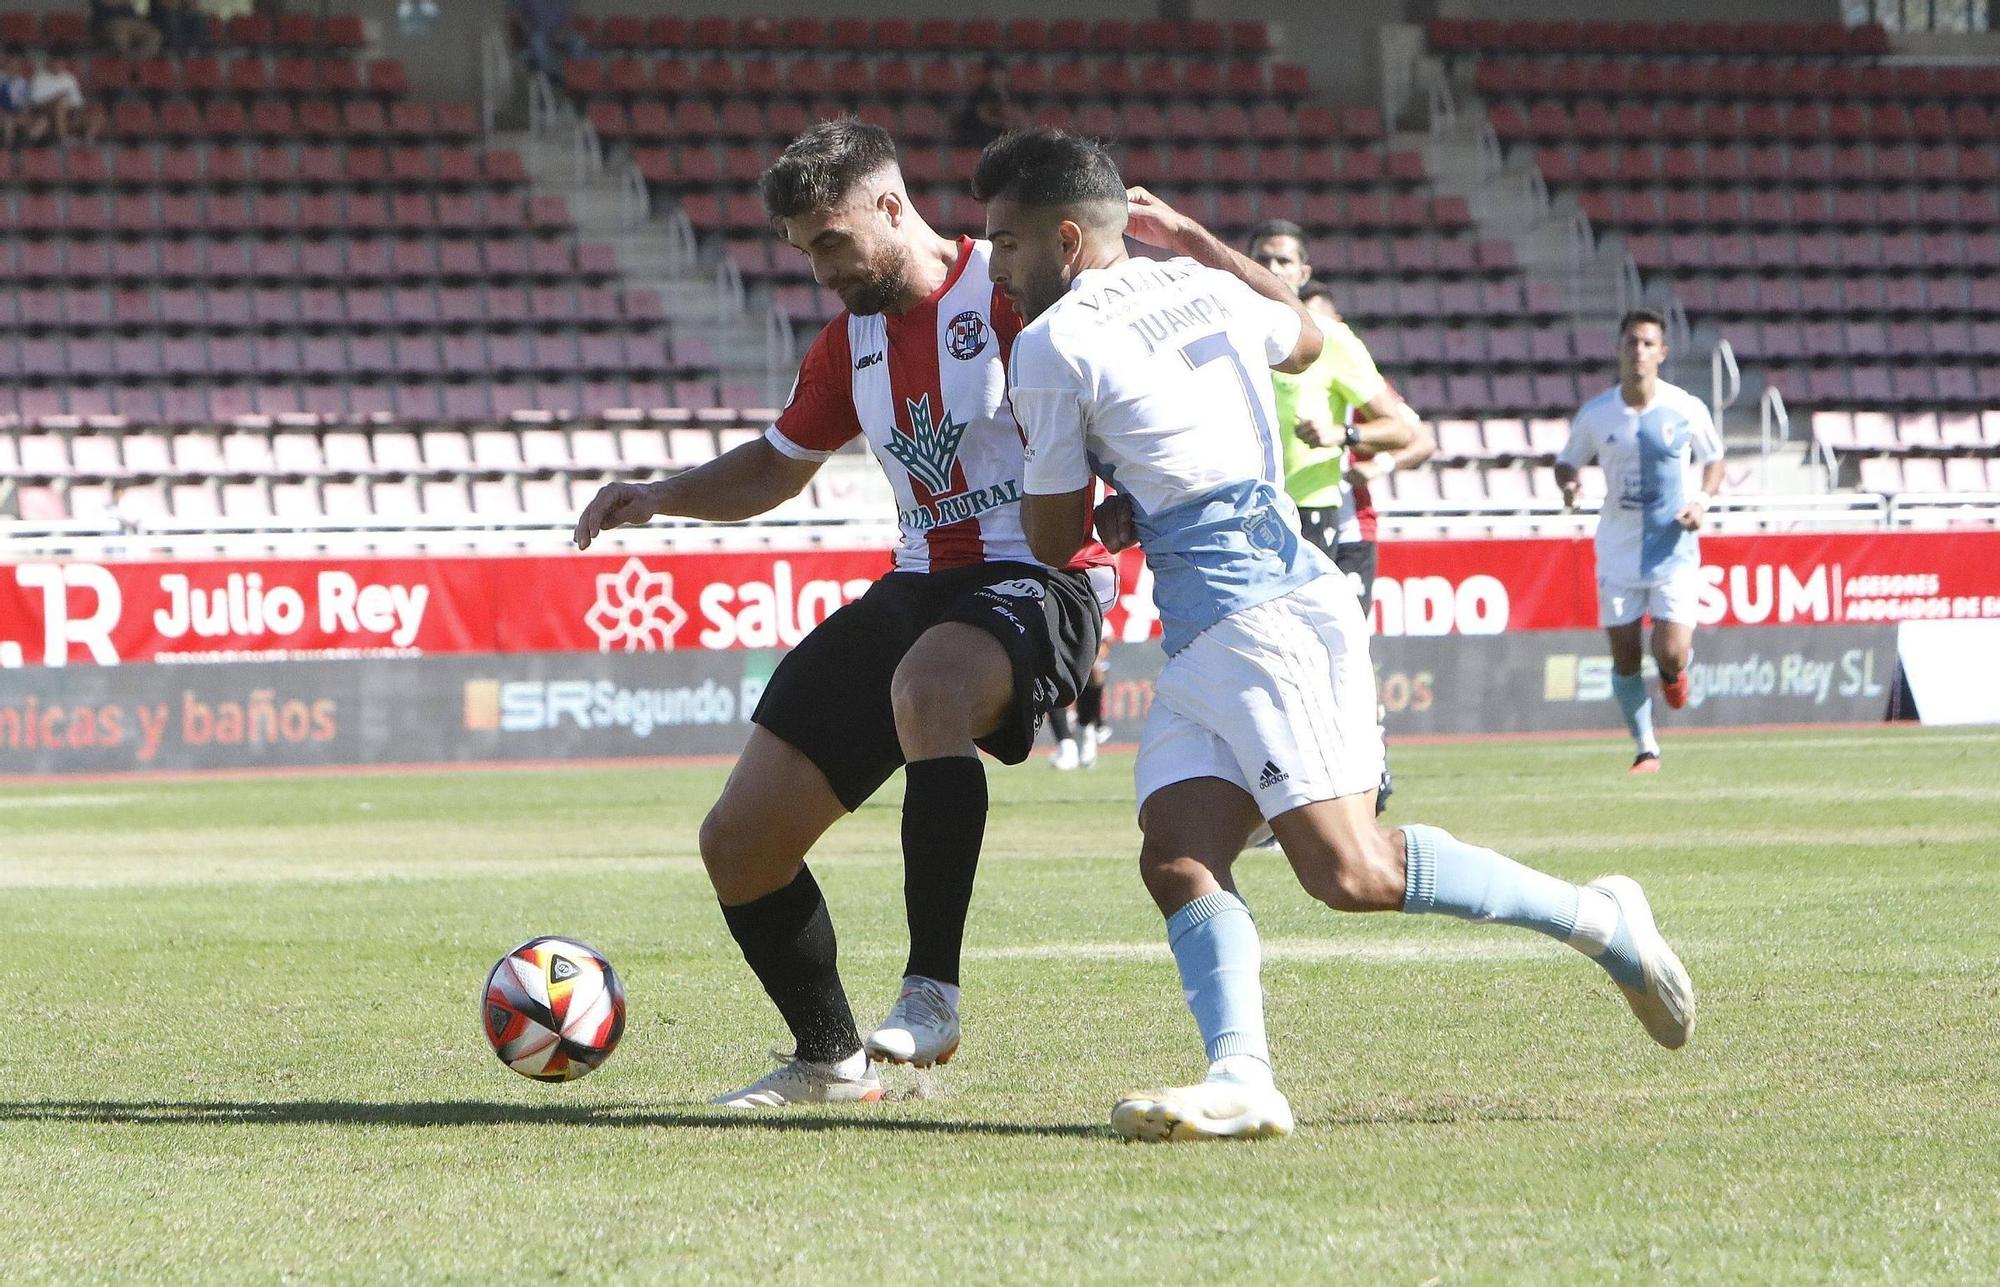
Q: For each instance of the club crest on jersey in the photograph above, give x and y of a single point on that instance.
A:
(930, 449)
(966, 336)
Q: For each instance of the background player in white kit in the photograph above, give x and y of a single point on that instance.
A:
(1151, 375)
(1644, 432)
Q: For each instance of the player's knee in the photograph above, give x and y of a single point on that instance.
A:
(1363, 874)
(1174, 879)
(728, 843)
(926, 693)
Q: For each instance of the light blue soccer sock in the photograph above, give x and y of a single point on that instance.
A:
(1630, 690)
(1215, 944)
(1444, 874)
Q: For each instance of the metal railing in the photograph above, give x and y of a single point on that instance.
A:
(106, 540)
(1535, 187)
(682, 246)
(635, 199)
(83, 539)
(1921, 15)
(1944, 509)
(545, 107)
(1729, 514)
(731, 300)
(1631, 287)
(1819, 456)
(780, 350)
(1725, 386)
(1440, 101)
(496, 76)
(1774, 425)
(586, 152)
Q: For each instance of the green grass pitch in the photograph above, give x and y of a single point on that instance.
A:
(245, 1042)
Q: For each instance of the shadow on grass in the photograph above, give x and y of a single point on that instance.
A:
(467, 1112)
(483, 1113)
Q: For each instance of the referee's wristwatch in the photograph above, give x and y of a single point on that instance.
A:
(1352, 437)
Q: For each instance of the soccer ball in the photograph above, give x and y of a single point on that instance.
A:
(553, 1009)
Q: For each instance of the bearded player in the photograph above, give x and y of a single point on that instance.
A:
(964, 645)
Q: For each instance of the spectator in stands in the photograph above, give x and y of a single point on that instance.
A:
(184, 28)
(120, 27)
(14, 118)
(989, 110)
(55, 104)
(546, 27)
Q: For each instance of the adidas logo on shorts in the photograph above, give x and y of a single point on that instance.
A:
(1271, 776)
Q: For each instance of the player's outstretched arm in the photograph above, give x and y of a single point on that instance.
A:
(1155, 223)
(741, 483)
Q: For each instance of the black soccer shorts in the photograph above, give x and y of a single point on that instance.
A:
(829, 697)
(1357, 560)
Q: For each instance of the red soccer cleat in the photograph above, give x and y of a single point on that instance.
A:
(1646, 763)
(1675, 692)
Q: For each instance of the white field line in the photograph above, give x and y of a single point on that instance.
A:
(1366, 951)
(64, 801)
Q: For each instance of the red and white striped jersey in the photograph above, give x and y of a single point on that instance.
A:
(928, 388)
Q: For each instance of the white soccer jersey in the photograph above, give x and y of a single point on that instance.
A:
(1646, 453)
(1155, 376)
(928, 389)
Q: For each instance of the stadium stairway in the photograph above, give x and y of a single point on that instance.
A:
(656, 252)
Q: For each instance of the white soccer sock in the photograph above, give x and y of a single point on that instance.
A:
(1247, 1070)
(1596, 921)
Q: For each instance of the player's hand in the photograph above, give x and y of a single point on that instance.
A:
(1151, 221)
(1569, 491)
(1367, 468)
(1313, 433)
(1691, 515)
(1116, 527)
(615, 505)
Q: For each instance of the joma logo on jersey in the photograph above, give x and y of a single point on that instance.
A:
(930, 449)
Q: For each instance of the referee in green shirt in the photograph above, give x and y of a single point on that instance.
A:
(1342, 427)
(1339, 407)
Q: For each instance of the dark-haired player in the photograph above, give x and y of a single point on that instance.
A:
(1645, 432)
(1152, 375)
(964, 645)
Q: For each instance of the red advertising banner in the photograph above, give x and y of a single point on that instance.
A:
(79, 613)
(1826, 578)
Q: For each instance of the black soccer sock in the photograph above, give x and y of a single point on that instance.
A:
(944, 821)
(1059, 724)
(1090, 704)
(787, 937)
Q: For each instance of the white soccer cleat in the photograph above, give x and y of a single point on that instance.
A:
(1066, 758)
(800, 1081)
(922, 1028)
(1086, 748)
(1211, 1110)
(1666, 1004)
(1102, 732)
